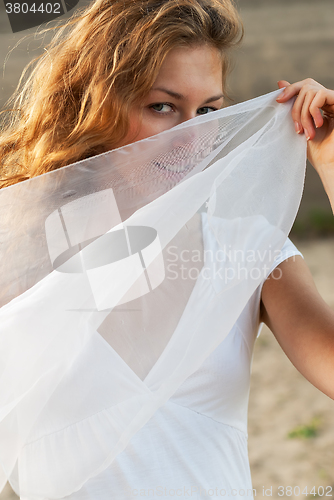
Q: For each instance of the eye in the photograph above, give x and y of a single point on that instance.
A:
(205, 110)
(162, 108)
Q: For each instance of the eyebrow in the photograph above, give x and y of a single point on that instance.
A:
(180, 96)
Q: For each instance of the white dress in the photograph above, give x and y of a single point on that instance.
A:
(77, 420)
(195, 446)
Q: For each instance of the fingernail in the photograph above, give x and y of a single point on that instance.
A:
(297, 128)
(307, 135)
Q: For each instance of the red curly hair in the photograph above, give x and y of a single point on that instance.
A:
(76, 101)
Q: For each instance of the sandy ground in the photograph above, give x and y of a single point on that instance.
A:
(286, 39)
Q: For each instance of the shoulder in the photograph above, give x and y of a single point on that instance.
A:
(288, 255)
(302, 322)
(286, 283)
(290, 302)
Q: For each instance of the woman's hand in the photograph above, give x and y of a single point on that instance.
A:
(313, 115)
(318, 127)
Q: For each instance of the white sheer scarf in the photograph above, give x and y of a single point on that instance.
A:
(103, 277)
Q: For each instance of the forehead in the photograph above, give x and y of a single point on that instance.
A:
(192, 69)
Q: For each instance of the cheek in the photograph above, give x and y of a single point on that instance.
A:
(135, 130)
(142, 127)
(151, 125)
(146, 129)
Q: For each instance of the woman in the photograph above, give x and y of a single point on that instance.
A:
(128, 70)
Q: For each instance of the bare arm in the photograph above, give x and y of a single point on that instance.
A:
(302, 322)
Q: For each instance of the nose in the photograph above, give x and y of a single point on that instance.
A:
(186, 135)
(196, 139)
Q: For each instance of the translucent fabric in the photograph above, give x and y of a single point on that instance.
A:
(101, 260)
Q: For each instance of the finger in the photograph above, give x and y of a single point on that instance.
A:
(296, 112)
(306, 111)
(290, 91)
(306, 117)
(295, 88)
(297, 109)
(325, 100)
(318, 102)
(282, 84)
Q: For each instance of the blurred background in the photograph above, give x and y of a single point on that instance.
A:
(289, 40)
(291, 424)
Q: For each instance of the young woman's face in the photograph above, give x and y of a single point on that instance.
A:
(189, 84)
